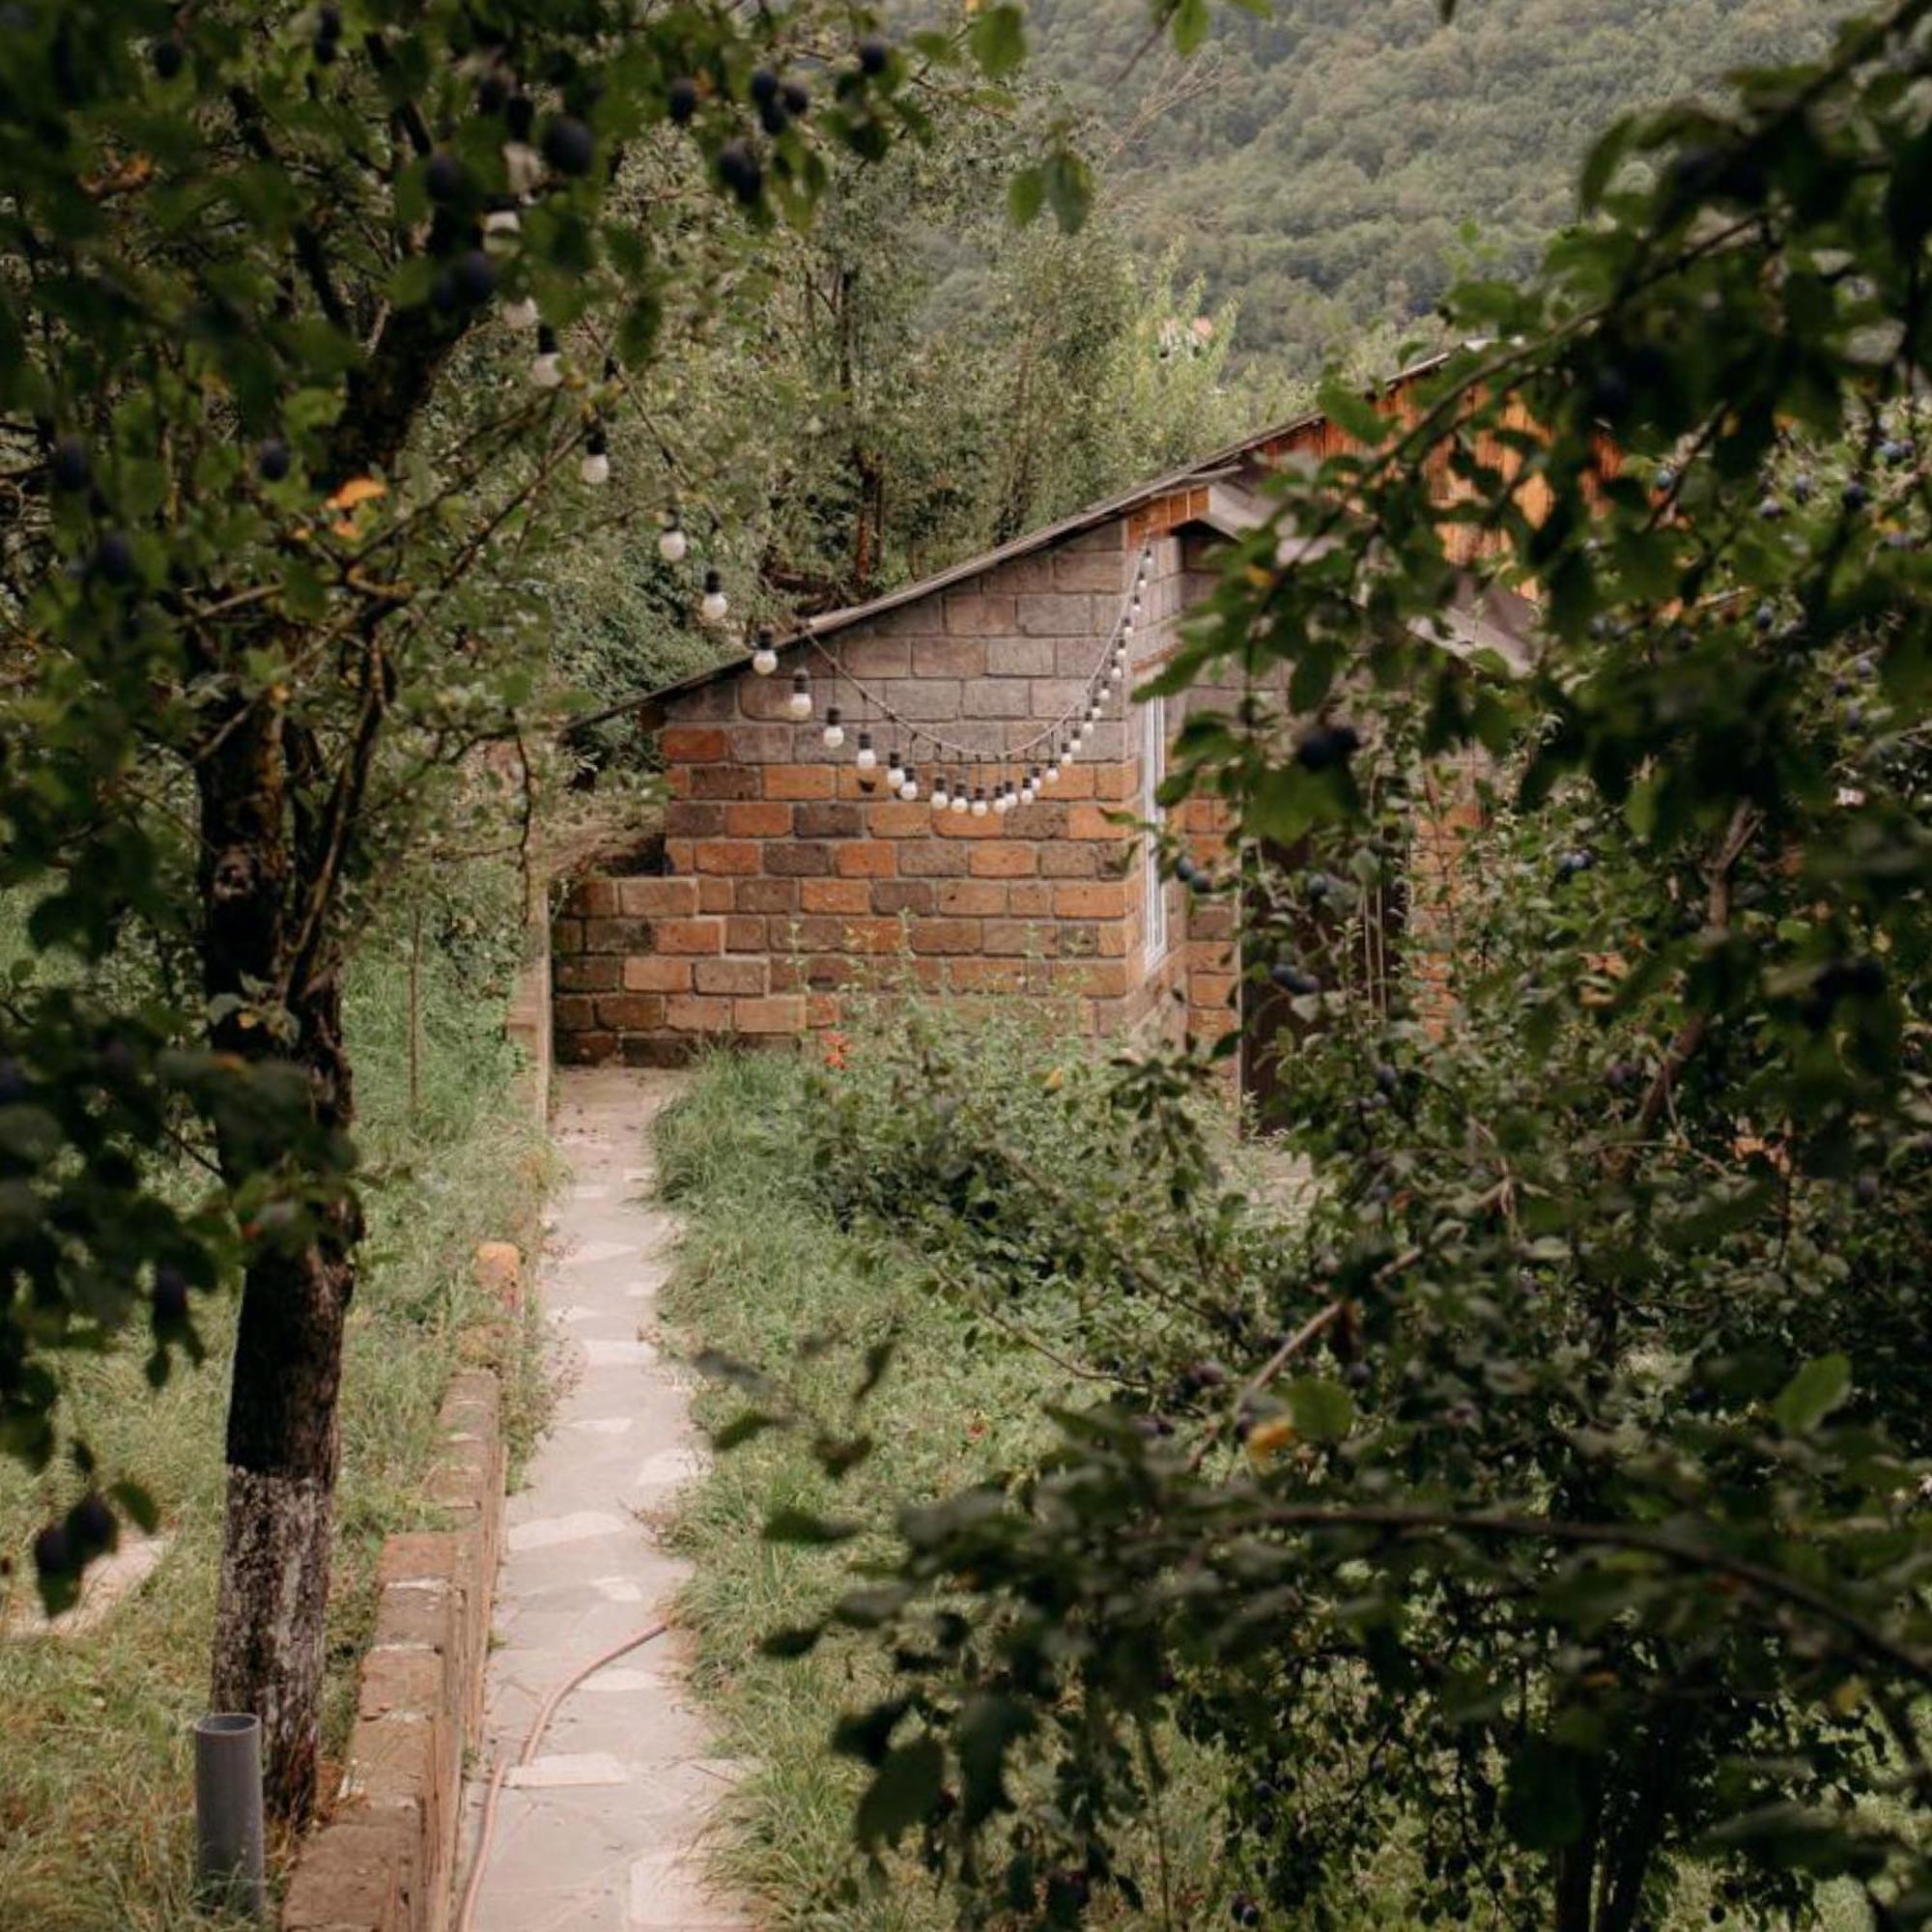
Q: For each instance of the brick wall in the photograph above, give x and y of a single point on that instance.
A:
(386, 1860)
(790, 884)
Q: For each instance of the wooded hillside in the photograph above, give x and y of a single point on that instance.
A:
(1330, 168)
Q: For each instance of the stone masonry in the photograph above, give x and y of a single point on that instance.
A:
(789, 883)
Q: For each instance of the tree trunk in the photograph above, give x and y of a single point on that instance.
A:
(282, 1456)
(282, 1437)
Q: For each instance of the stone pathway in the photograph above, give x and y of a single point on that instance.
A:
(601, 1831)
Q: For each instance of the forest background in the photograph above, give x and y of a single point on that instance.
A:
(914, 379)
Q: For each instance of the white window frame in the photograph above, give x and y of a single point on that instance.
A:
(1153, 769)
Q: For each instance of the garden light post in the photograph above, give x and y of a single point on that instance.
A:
(228, 1811)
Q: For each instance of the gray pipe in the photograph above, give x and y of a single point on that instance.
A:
(228, 1811)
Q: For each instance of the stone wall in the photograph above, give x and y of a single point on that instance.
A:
(790, 884)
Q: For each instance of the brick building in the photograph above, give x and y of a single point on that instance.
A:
(791, 875)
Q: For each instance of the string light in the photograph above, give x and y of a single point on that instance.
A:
(714, 603)
(595, 468)
(672, 543)
(997, 794)
(547, 370)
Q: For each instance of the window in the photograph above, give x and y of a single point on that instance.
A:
(1153, 768)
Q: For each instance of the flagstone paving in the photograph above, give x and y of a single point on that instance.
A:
(601, 1831)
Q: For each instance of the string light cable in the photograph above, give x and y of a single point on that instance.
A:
(986, 780)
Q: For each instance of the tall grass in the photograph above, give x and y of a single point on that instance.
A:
(768, 1276)
(95, 1832)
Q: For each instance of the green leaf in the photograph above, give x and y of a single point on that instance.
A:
(1026, 196)
(1190, 24)
(1351, 412)
(1543, 1804)
(799, 1641)
(996, 39)
(1813, 1393)
(796, 1526)
(905, 1789)
(1323, 1411)
(1070, 189)
(139, 1505)
(987, 1724)
(743, 1428)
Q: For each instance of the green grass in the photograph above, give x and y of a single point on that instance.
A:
(762, 1268)
(96, 1819)
(768, 1277)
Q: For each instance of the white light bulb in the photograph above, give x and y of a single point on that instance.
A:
(1027, 794)
(959, 801)
(1094, 711)
(909, 790)
(523, 165)
(1003, 803)
(1053, 772)
(868, 759)
(765, 656)
(501, 225)
(941, 798)
(895, 771)
(521, 313)
(835, 732)
(547, 371)
(714, 603)
(672, 544)
(595, 468)
(978, 803)
(799, 703)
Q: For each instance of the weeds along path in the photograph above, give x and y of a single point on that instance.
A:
(598, 1827)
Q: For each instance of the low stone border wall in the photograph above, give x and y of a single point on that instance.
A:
(385, 1862)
